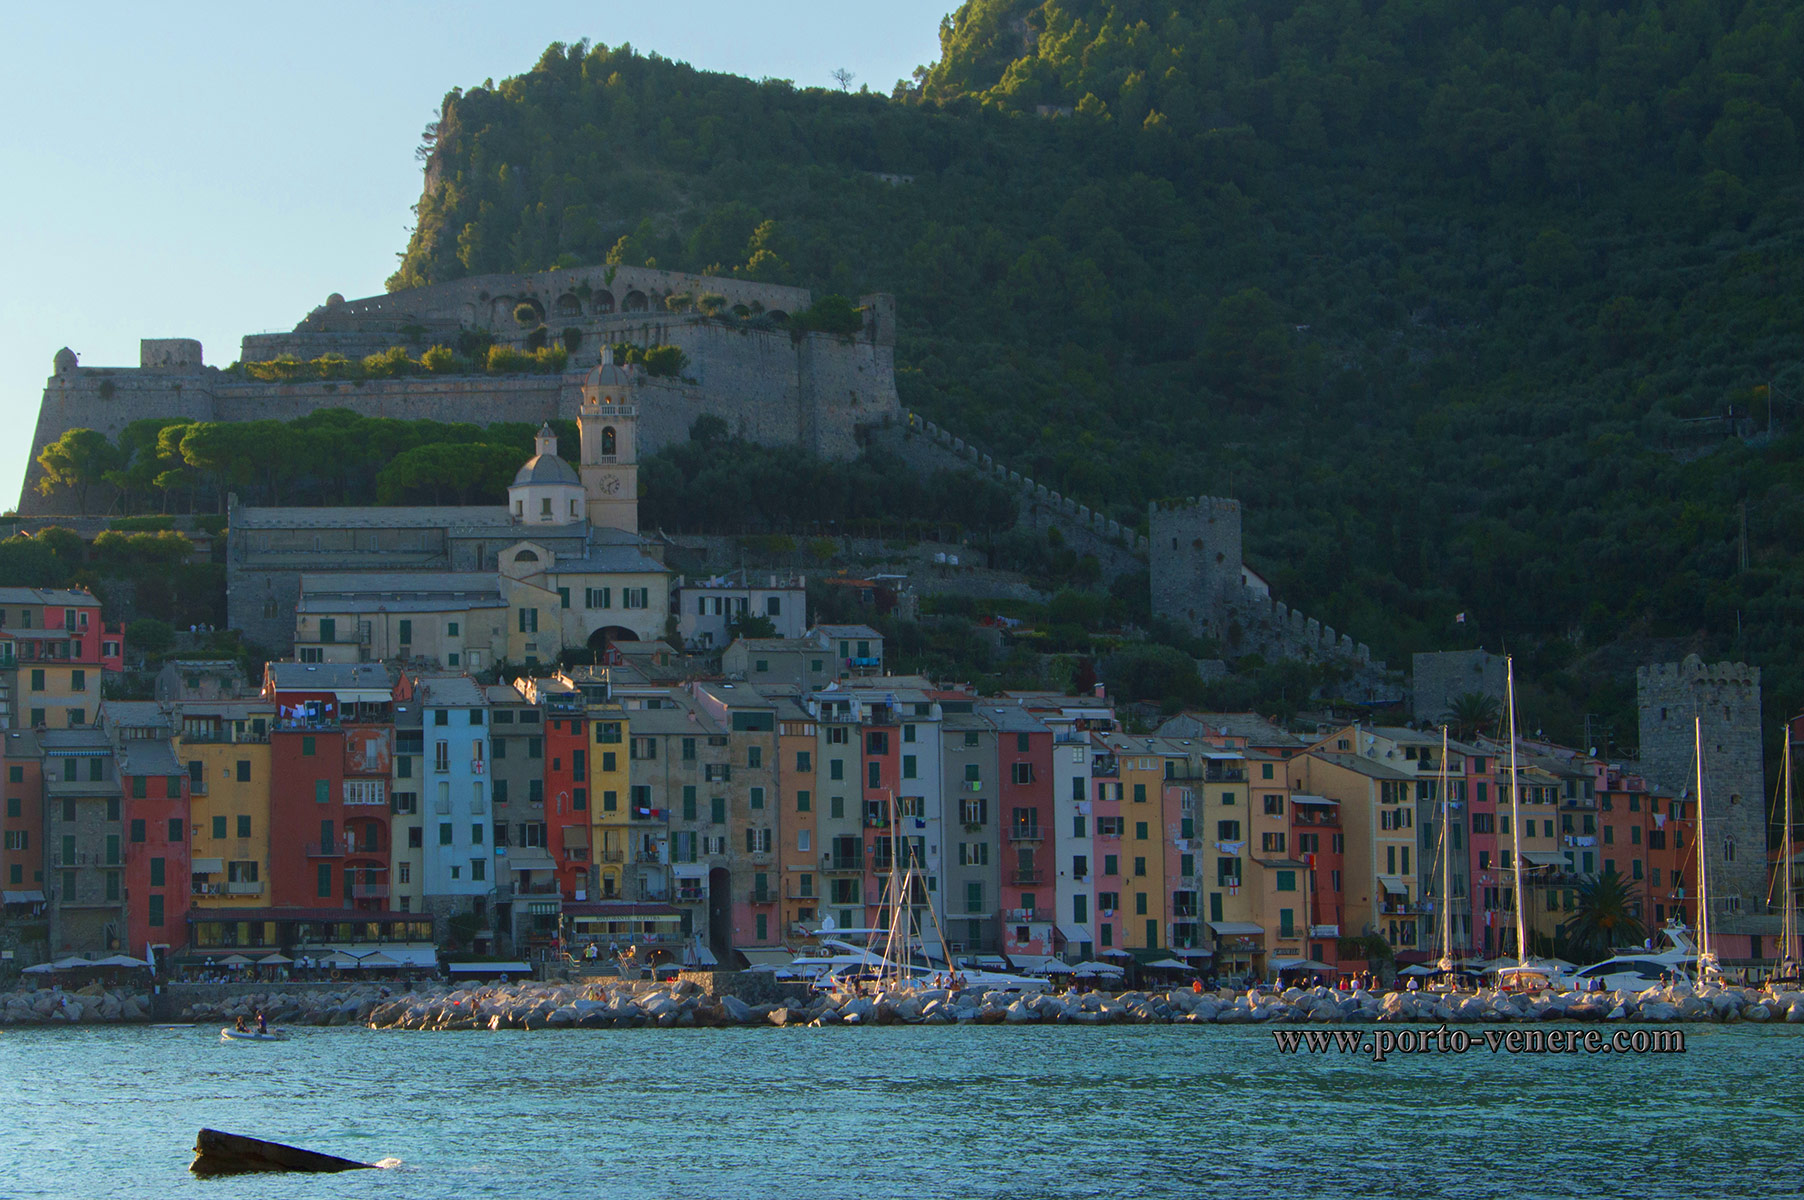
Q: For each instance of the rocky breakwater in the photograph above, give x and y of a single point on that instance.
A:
(92, 1005)
(540, 1006)
(348, 1006)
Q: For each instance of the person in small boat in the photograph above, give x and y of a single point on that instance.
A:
(262, 1022)
(239, 1025)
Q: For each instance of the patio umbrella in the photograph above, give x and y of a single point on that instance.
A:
(1170, 964)
(234, 960)
(378, 959)
(120, 960)
(1096, 968)
(274, 960)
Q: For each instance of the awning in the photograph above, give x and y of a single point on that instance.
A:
(1038, 964)
(234, 960)
(702, 956)
(760, 956)
(407, 955)
(274, 960)
(1237, 929)
(1304, 798)
(530, 859)
(576, 835)
(30, 897)
(1393, 884)
(206, 866)
(1170, 964)
(1074, 935)
(1188, 952)
(489, 968)
(1541, 858)
(1301, 964)
(688, 871)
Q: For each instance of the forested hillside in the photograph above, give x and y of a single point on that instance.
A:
(1479, 307)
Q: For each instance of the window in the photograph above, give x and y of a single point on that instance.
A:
(155, 907)
(1139, 793)
(244, 826)
(1287, 881)
(1274, 806)
(137, 831)
(219, 827)
(243, 770)
(529, 620)
(176, 828)
(1022, 772)
(78, 681)
(444, 833)
(1227, 831)
(754, 757)
(803, 802)
(1272, 843)
(321, 791)
(157, 872)
(908, 765)
(757, 797)
(323, 888)
(875, 773)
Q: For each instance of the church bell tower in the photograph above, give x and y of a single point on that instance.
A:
(608, 422)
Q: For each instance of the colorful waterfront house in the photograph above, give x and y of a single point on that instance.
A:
(804, 852)
(527, 897)
(1024, 783)
(839, 816)
(406, 827)
(972, 874)
(1226, 841)
(1378, 815)
(1144, 765)
(1107, 824)
(1317, 841)
(157, 867)
(84, 841)
(708, 608)
(22, 845)
(53, 649)
(856, 650)
(568, 819)
(1074, 722)
(459, 854)
(224, 746)
(750, 783)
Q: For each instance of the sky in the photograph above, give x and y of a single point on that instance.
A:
(211, 170)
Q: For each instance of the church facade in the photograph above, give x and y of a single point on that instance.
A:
(562, 564)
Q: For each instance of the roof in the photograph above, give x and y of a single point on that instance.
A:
(398, 517)
(848, 631)
(88, 737)
(503, 693)
(1010, 718)
(54, 597)
(449, 691)
(116, 713)
(1254, 728)
(21, 743)
(1365, 766)
(544, 470)
(609, 560)
(148, 756)
(398, 591)
(328, 677)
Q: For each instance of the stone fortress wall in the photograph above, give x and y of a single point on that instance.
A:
(1725, 698)
(815, 391)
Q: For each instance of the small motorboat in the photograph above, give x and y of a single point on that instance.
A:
(230, 1034)
(217, 1153)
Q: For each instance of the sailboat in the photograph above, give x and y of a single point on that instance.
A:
(1782, 877)
(1525, 975)
(1708, 971)
(1445, 963)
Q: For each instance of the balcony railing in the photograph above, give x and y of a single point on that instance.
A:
(647, 856)
(324, 850)
(792, 892)
(369, 891)
(613, 856)
(1030, 914)
(1024, 833)
(244, 887)
(691, 895)
(842, 862)
(1029, 875)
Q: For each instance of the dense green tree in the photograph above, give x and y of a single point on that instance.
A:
(77, 460)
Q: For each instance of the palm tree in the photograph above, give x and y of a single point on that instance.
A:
(1605, 917)
(1471, 713)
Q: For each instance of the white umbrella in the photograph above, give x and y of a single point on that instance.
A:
(234, 960)
(1096, 968)
(120, 960)
(71, 963)
(1054, 967)
(1170, 964)
(1419, 970)
(40, 969)
(378, 959)
(274, 960)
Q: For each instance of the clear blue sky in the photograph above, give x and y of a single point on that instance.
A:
(211, 170)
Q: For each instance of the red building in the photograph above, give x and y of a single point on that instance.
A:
(72, 615)
(155, 790)
(567, 814)
(330, 754)
(1024, 801)
(1317, 841)
(22, 826)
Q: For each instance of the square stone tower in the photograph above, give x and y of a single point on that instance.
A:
(1194, 558)
(1725, 697)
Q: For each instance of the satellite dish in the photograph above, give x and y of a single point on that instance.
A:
(827, 925)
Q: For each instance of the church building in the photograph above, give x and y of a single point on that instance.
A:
(561, 565)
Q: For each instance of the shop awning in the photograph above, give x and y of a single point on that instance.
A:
(1542, 858)
(206, 866)
(28, 897)
(576, 835)
(1393, 884)
(1237, 929)
(1305, 798)
(530, 858)
(489, 968)
(1075, 935)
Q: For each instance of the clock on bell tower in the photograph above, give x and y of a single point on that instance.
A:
(608, 422)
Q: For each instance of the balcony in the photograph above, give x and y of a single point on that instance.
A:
(1302, 816)
(762, 896)
(612, 856)
(1029, 914)
(792, 892)
(1028, 875)
(692, 894)
(244, 887)
(369, 891)
(1024, 833)
(875, 820)
(835, 862)
(324, 850)
(648, 856)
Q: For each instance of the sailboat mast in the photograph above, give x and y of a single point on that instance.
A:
(1789, 923)
(1697, 735)
(1446, 866)
(1509, 665)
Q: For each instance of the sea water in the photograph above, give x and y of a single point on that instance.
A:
(939, 1111)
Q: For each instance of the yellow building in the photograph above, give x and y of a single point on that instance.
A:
(1145, 766)
(225, 746)
(53, 695)
(611, 796)
(1378, 817)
